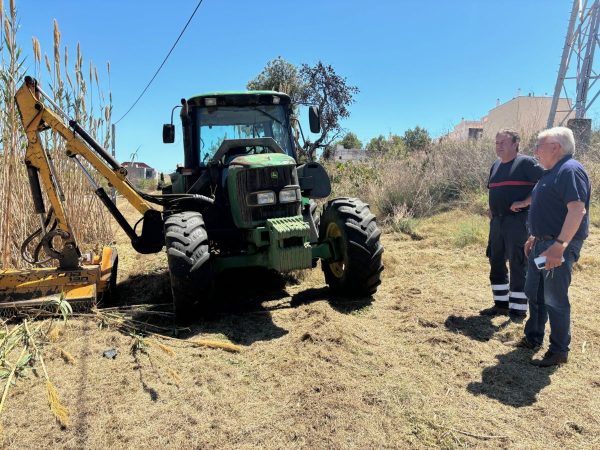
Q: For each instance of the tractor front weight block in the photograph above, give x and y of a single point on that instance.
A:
(283, 245)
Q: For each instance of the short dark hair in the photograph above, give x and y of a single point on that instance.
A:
(514, 134)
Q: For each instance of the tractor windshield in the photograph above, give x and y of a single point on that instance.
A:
(241, 122)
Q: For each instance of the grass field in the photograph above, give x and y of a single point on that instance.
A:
(416, 367)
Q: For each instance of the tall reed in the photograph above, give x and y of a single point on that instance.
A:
(80, 95)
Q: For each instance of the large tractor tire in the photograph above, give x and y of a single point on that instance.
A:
(189, 263)
(358, 273)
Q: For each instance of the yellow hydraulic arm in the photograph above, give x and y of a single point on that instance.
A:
(37, 117)
(73, 280)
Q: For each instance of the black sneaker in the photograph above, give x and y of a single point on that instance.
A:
(494, 311)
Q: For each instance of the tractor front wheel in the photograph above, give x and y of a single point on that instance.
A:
(357, 273)
(189, 262)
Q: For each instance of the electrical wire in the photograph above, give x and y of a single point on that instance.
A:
(162, 64)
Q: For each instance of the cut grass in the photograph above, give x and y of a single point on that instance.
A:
(417, 368)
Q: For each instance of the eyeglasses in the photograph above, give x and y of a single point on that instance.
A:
(537, 146)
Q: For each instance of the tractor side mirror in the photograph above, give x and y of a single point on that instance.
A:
(168, 133)
(314, 181)
(314, 119)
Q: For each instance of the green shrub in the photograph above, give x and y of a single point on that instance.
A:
(471, 232)
(421, 183)
(148, 184)
(402, 221)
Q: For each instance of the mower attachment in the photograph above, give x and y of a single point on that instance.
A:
(84, 285)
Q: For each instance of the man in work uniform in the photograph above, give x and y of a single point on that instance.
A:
(559, 223)
(512, 177)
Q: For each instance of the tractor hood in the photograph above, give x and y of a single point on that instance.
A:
(262, 160)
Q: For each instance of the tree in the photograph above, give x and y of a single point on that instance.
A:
(328, 152)
(279, 75)
(416, 139)
(332, 95)
(316, 85)
(350, 140)
(393, 145)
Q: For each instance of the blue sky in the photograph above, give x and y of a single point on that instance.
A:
(427, 63)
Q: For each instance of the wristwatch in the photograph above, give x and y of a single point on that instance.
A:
(561, 242)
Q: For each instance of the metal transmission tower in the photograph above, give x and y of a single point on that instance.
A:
(577, 64)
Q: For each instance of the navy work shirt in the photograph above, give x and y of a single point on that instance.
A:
(511, 182)
(566, 182)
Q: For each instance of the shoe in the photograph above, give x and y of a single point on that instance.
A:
(517, 318)
(525, 343)
(494, 311)
(551, 359)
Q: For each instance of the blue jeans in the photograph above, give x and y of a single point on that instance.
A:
(548, 294)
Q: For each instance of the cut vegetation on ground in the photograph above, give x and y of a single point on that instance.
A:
(417, 367)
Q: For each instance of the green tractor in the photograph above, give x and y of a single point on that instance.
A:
(253, 204)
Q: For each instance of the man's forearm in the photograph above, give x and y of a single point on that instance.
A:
(576, 212)
(527, 201)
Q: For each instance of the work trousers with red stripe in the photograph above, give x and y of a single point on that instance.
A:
(508, 234)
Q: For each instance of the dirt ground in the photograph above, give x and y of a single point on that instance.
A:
(414, 367)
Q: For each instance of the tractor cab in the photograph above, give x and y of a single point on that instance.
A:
(211, 119)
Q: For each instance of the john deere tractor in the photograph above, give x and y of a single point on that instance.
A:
(240, 200)
(239, 151)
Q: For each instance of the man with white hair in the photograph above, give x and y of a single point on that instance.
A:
(559, 223)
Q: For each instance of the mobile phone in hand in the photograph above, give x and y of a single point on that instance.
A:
(540, 262)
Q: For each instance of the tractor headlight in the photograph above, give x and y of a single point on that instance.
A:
(265, 198)
(289, 195)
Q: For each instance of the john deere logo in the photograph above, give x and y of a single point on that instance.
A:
(274, 175)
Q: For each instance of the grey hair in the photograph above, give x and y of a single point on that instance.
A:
(563, 136)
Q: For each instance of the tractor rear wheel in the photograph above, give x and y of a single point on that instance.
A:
(358, 272)
(189, 262)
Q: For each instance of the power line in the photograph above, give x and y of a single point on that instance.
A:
(163, 63)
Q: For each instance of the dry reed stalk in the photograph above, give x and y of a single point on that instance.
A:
(9, 380)
(227, 346)
(165, 348)
(58, 409)
(174, 375)
(9, 134)
(153, 343)
(66, 356)
(54, 334)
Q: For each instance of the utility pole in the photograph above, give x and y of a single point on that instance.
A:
(113, 193)
(577, 70)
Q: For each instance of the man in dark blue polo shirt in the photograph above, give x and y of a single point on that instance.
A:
(559, 223)
(512, 177)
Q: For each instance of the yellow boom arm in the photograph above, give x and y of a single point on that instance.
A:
(37, 117)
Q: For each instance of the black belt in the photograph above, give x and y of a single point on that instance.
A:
(546, 237)
(507, 214)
